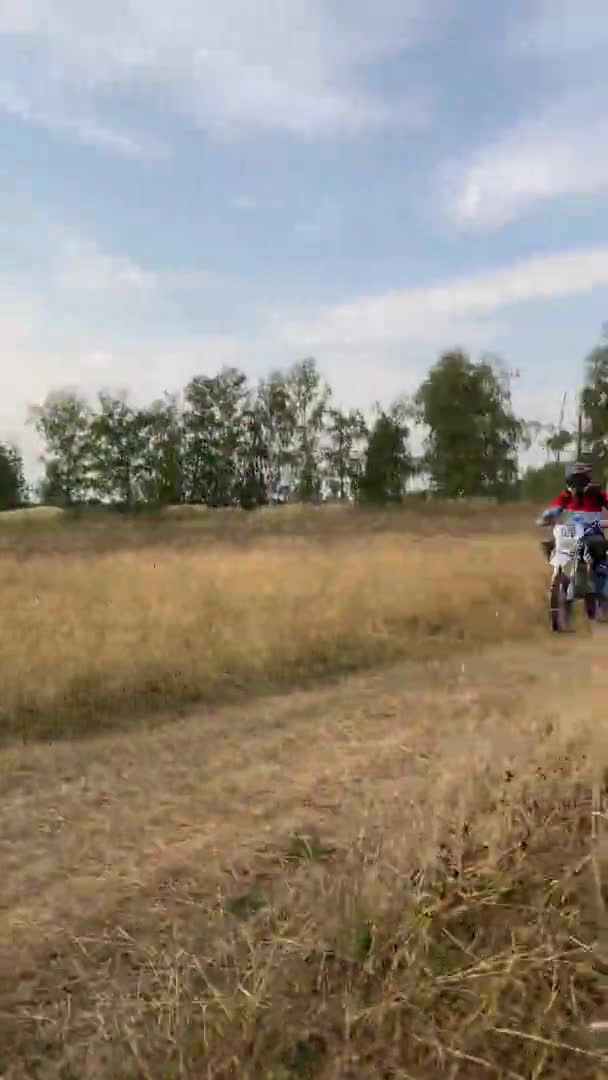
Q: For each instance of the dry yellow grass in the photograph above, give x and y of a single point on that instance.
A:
(399, 875)
(40, 515)
(87, 639)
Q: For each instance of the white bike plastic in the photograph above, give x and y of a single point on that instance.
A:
(565, 559)
(567, 536)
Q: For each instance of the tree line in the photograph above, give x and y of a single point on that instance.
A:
(225, 441)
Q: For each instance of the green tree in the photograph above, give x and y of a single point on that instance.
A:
(214, 433)
(473, 435)
(118, 445)
(276, 420)
(309, 396)
(594, 401)
(343, 455)
(541, 484)
(49, 489)
(388, 463)
(558, 441)
(162, 481)
(12, 480)
(64, 424)
(252, 489)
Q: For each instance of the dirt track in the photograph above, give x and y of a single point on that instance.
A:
(118, 853)
(82, 822)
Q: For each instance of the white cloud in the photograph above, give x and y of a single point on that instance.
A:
(561, 147)
(81, 267)
(454, 307)
(372, 347)
(73, 261)
(565, 152)
(78, 122)
(293, 65)
(58, 325)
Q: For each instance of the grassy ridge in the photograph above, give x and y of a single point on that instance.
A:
(88, 639)
(45, 530)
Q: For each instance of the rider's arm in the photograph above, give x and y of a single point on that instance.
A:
(557, 507)
(561, 501)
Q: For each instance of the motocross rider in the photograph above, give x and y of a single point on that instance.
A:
(583, 496)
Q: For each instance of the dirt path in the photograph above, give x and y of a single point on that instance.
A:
(82, 822)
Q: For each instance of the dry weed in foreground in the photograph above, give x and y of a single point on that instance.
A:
(369, 959)
(88, 640)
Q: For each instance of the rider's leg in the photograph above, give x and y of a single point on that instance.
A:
(597, 546)
(596, 549)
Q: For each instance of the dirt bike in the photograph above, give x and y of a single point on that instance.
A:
(574, 576)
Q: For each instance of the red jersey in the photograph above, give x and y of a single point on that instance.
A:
(590, 502)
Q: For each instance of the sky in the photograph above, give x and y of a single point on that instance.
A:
(195, 184)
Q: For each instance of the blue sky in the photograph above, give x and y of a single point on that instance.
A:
(194, 184)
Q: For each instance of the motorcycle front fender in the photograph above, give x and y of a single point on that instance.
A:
(564, 562)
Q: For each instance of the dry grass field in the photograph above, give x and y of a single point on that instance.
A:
(92, 634)
(395, 872)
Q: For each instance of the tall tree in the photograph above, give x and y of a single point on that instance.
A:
(345, 433)
(162, 481)
(309, 396)
(49, 489)
(253, 479)
(473, 435)
(214, 431)
(12, 480)
(118, 449)
(64, 424)
(557, 441)
(388, 463)
(275, 417)
(594, 403)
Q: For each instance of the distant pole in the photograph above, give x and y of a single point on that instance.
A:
(560, 425)
(579, 434)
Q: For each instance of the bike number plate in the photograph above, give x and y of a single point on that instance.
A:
(568, 532)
